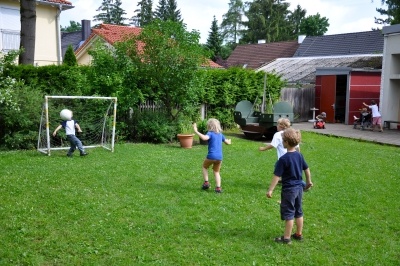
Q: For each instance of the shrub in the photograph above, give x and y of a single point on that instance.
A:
(69, 58)
(153, 127)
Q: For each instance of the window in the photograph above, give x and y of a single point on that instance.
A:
(10, 27)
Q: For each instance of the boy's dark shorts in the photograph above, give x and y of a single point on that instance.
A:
(291, 203)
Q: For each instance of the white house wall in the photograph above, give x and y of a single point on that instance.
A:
(390, 88)
(46, 44)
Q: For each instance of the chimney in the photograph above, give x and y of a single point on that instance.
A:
(301, 38)
(86, 30)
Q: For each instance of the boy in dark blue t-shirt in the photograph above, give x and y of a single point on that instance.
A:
(289, 168)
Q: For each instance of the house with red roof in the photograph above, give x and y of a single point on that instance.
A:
(48, 34)
(111, 34)
(107, 33)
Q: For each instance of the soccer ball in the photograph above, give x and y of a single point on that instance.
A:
(66, 114)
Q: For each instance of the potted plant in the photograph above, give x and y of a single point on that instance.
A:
(202, 128)
(186, 136)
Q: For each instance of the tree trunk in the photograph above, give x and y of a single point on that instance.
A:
(28, 31)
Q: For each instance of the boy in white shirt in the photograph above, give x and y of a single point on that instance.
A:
(69, 126)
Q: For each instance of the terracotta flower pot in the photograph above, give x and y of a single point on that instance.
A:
(186, 140)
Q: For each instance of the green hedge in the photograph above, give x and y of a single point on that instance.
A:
(20, 109)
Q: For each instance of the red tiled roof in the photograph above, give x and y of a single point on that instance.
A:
(116, 33)
(63, 2)
(212, 64)
(255, 55)
(111, 34)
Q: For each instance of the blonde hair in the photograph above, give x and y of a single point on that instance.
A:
(283, 122)
(291, 136)
(214, 125)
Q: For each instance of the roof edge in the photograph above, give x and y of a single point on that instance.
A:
(391, 29)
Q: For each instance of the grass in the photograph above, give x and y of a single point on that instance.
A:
(142, 205)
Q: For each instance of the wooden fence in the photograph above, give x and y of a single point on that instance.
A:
(302, 99)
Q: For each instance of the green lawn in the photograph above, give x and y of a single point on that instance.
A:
(142, 205)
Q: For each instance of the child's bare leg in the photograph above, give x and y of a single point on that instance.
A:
(288, 229)
(217, 179)
(205, 174)
(299, 226)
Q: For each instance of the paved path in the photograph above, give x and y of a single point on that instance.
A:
(390, 137)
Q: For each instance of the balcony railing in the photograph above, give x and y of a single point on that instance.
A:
(10, 40)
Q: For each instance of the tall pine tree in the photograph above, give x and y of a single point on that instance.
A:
(117, 13)
(173, 13)
(161, 10)
(168, 10)
(214, 41)
(267, 20)
(110, 13)
(144, 14)
(232, 21)
(295, 19)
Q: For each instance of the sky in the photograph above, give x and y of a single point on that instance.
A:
(344, 16)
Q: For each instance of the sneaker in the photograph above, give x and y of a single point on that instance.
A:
(297, 237)
(218, 190)
(206, 185)
(283, 240)
(84, 154)
(69, 154)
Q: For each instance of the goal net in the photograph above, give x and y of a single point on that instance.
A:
(96, 117)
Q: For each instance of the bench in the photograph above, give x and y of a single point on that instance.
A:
(386, 124)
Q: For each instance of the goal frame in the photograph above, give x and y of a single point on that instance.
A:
(47, 122)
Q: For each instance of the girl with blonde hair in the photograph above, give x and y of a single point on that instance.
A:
(214, 156)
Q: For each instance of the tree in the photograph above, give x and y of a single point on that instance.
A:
(232, 21)
(170, 12)
(167, 64)
(105, 16)
(295, 19)
(28, 31)
(73, 26)
(161, 10)
(117, 13)
(314, 25)
(392, 12)
(214, 41)
(144, 14)
(69, 57)
(111, 13)
(267, 20)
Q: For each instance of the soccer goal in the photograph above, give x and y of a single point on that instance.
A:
(96, 117)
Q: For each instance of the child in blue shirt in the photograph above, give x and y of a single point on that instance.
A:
(289, 168)
(215, 139)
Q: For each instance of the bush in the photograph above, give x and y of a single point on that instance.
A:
(154, 127)
(19, 127)
(69, 58)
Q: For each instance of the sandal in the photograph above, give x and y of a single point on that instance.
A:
(283, 240)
